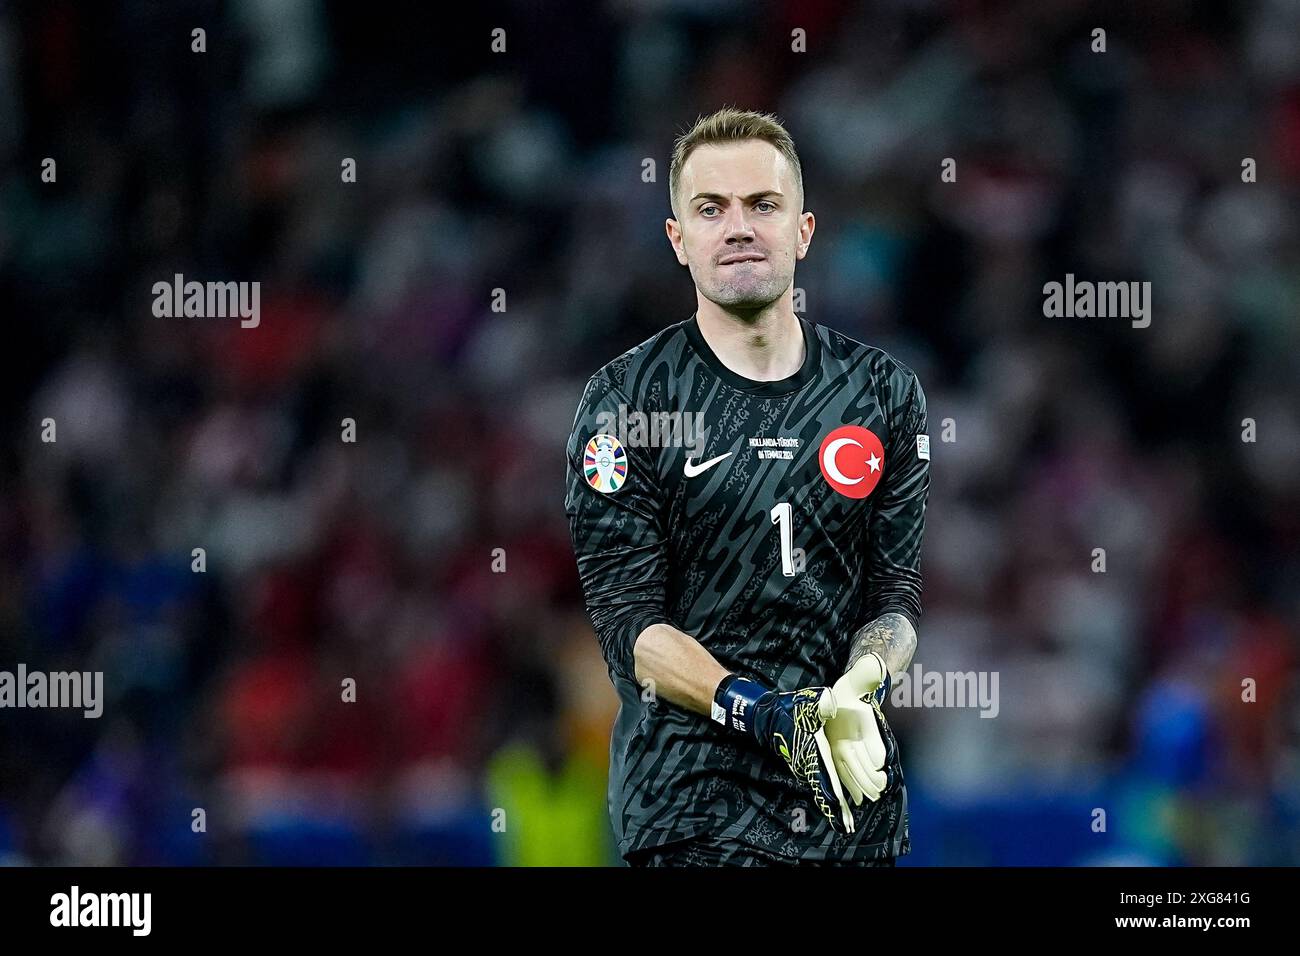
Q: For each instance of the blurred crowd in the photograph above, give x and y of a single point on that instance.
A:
(427, 564)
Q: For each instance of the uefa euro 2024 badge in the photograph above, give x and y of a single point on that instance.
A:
(605, 463)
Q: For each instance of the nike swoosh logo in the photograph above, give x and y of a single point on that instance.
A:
(693, 470)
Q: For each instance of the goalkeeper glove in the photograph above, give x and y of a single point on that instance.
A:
(857, 749)
(791, 726)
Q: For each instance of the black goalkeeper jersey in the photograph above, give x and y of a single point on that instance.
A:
(768, 520)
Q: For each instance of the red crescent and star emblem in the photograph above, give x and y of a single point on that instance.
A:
(852, 460)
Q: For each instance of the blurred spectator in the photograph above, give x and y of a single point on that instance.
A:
(426, 564)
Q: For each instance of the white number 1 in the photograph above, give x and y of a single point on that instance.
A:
(783, 516)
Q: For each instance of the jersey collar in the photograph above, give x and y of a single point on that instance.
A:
(792, 383)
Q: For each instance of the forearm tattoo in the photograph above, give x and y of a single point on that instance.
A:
(892, 636)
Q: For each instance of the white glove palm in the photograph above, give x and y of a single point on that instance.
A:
(857, 749)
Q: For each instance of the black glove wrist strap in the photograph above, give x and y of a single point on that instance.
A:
(734, 700)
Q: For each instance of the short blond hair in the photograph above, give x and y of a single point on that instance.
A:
(730, 125)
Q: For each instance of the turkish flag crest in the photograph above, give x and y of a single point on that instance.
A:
(852, 460)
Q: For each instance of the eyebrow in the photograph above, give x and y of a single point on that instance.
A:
(718, 197)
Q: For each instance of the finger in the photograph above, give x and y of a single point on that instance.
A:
(847, 775)
(875, 743)
(862, 772)
(852, 775)
(869, 781)
(846, 814)
(853, 763)
(865, 675)
(878, 783)
(826, 705)
(875, 753)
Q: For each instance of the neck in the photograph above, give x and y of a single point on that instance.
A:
(764, 344)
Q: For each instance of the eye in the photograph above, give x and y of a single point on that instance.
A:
(765, 202)
(704, 210)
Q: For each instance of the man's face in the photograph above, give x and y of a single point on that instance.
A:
(741, 229)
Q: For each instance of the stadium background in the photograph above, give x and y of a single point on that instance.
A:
(523, 171)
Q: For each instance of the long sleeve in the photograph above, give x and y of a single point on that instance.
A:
(898, 522)
(614, 506)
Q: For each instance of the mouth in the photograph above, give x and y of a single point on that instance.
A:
(737, 259)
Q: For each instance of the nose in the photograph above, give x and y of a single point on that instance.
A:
(737, 227)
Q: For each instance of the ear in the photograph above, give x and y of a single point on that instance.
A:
(674, 231)
(807, 224)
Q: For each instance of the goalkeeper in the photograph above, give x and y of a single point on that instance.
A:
(755, 584)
